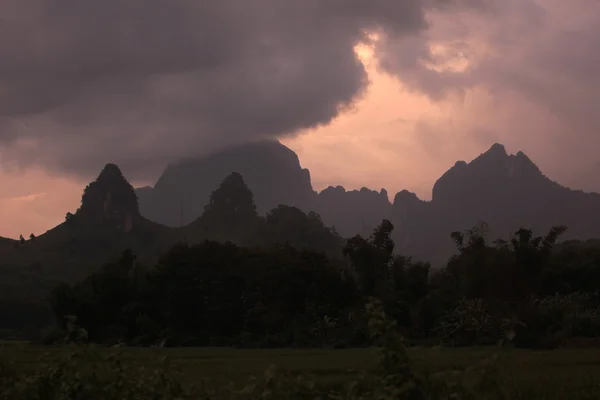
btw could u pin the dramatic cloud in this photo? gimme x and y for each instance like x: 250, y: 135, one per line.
x: 525, y: 72
x: 142, y: 82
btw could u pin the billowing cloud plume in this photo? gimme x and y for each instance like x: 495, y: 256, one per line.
x: 142, y: 82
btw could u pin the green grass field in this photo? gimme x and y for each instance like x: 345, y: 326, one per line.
x: 557, y: 374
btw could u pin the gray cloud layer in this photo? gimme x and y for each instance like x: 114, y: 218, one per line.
x: 145, y: 81
x: 142, y: 82
x: 539, y: 55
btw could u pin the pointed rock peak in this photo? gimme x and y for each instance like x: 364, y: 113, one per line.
x: 110, y: 172
x: 231, y: 197
x: 109, y: 198
x: 525, y: 165
x: 497, y: 150
x: 233, y: 178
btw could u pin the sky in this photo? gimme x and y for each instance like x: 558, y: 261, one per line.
x: 376, y: 93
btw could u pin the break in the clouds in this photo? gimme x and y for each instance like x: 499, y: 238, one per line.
x: 142, y: 82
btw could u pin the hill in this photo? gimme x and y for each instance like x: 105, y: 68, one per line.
x: 107, y: 223
x: 506, y: 191
x: 6, y: 242
x: 271, y: 171
x: 274, y: 175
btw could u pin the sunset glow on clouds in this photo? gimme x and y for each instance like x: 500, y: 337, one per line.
x: 446, y: 81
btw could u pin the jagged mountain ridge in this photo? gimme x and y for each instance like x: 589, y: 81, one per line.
x: 271, y: 170
x: 506, y: 191
x: 5, y: 242
x: 107, y: 222
x: 273, y: 173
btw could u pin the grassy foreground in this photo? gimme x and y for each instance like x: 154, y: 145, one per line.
x: 558, y: 374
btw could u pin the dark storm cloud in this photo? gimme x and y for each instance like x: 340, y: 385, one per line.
x: 141, y: 82
x: 543, y: 53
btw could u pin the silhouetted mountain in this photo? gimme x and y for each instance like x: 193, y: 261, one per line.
x: 271, y: 171
x: 505, y: 191
x: 5, y: 242
x: 231, y: 215
x: 107, y: 223
x: 274, y: 175
x: 109, y: 199
x: 353, y: 212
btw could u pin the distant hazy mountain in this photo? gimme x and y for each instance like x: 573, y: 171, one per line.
x: 271, y: 170
x: 109, y: 222
x: 274, y: 175
x: 354, y: 211
x: 505, y: 191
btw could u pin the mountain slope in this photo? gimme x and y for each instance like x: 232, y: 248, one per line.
x: 107, y: 223
x: 271, y: 171
x: 505, y: 191
x: 6, y: 242
x: 274, y: 175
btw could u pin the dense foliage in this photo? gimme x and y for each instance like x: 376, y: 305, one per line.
x: 220, y: 294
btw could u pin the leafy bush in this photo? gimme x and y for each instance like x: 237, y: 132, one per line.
x: 472, y: 322
x: 550, y: 321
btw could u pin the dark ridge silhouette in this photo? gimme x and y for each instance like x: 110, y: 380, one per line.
x: 110, y: 198
x: 230, y: 214
x: 271, y: 171
x: 505, y: 191
x: 274, y: 175
x: 107, y: 222
x: 5, y: 242
x: 353, y: 212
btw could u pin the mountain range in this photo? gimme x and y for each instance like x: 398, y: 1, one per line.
x: 259, y: 194
x: 274, y: 175
x: 505, y: 191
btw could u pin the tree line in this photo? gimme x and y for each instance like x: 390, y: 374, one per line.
x: 287, y: 280
x: 220, y: 294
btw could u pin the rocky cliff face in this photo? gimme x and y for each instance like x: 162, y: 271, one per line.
x: 274, y: 175
x: 505, y: 191
x: 109, y: 199
x: 271, y: 171
x: 353, y: 212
